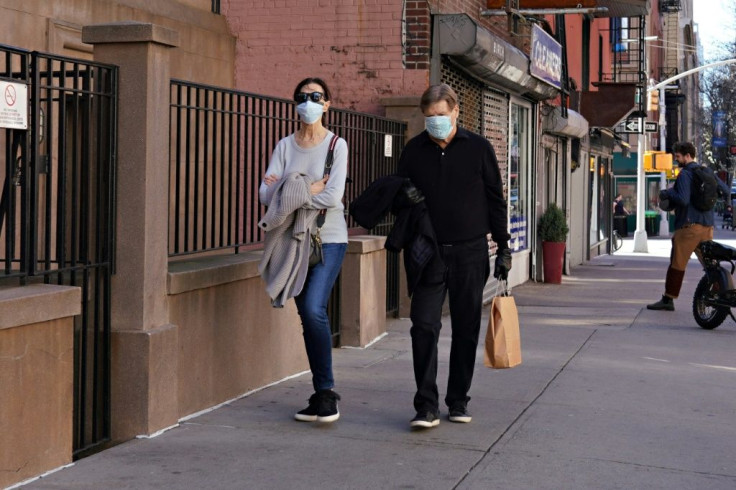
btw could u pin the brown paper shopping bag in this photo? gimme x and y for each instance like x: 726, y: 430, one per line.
x: 503, y: 341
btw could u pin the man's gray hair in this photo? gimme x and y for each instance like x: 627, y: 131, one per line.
x: 437, y: 93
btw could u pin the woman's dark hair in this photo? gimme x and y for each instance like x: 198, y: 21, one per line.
x: 318, y: 81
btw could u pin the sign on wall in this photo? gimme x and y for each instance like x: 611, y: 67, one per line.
x: 13, y: 105
x: 388, y: 150
x: 546, y: 58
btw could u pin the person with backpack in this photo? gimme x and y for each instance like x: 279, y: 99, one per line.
x: 692, y: 198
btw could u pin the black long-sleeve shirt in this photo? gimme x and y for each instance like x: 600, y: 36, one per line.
x: 461, y: 184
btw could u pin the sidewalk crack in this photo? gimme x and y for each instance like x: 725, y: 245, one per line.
x: 524, y: 411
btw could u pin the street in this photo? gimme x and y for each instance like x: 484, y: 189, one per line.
x: 609, y: 395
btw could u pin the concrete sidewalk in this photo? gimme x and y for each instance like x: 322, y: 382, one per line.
x: 609, y: 395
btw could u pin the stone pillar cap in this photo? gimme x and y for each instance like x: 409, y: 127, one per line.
x: 129, y: 31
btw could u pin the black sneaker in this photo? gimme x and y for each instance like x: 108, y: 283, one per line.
x: 425, y: 420
x: 666, y: 304
x: 322, y: 408
x: 459, y: 413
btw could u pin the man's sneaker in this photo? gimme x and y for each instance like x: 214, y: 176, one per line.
x: 425, y: 420
x: 322, y: 408
x: 459, y: 413
x: 666, y: 304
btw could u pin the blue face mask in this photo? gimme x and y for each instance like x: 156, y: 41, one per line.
x: 438, y: 127
x: 309, y: 111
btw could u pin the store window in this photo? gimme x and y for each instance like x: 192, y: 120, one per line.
x: 518, y: 177
x: 600, y: 202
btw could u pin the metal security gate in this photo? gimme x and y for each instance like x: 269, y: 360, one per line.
x: 57, y: 209
x: 482, y: 110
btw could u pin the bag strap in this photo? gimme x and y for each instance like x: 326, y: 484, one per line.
x: 502, y: 288
x: 328, y: 168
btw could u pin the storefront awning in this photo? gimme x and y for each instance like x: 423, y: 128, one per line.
x: 609, y: 105
x: 575, y: 125
x: 625, y: 8
x: 616, y: 8
x: 488, y: 57
x: 602, y: 139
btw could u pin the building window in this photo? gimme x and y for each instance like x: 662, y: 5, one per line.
x: 216, y: 6
x: 518, y: 177
x: 600, y: 202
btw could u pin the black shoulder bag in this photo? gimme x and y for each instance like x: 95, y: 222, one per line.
x: 315, y: 249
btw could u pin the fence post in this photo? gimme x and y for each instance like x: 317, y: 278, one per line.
x: 144, y: 346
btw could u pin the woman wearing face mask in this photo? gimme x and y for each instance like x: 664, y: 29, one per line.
x: 303, y: 153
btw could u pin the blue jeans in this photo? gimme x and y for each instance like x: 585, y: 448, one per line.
x: 312, y: 306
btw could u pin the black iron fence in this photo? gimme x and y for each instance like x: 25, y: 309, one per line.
x: 57, y: 207
x: 220, y: 146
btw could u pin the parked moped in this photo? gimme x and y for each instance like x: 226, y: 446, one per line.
x: 715, y: 294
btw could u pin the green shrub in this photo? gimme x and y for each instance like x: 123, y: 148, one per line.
x: 553, y: 225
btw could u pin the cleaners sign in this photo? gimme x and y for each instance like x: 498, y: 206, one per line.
x: 13, y: 105
x: 546, y: 57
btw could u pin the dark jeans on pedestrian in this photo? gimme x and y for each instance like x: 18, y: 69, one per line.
x: 460, y: 271
x: 312, y: 306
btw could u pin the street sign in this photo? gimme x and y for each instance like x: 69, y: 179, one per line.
x: 632, y: 126
x: 651, y: 127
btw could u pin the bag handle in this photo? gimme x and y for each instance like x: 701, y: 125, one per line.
x: 502, y: 287
x: 328, y: 168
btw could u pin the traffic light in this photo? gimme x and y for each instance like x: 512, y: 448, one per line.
x: 657, y: 161
x: 652, y: 100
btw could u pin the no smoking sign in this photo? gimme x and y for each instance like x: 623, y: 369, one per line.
x: 13, y: 105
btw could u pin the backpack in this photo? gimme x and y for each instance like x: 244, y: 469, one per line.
x: 704, y: 190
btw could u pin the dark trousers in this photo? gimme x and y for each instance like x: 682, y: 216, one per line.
x: 460, y: 271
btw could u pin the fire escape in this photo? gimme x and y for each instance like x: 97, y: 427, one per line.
x: 621, y: 84
x: 669, y: 10
x: 621, y: 78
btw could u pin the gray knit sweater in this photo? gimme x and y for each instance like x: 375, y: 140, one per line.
x: 287, y: 224
x: 288, y: 157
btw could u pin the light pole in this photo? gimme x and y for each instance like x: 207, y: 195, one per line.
x: 640, y: 235
x: 664, y: 230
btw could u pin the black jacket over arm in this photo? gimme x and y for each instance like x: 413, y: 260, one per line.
x: 412, y: 231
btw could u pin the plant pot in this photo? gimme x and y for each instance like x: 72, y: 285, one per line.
x: 553, y: 255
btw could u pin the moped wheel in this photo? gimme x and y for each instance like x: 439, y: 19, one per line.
x: 707, y: 316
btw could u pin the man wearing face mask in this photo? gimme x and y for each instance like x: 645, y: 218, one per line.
x: 692, y: 225
x: 457, y: 172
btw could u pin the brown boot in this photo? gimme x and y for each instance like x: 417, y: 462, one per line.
x: 666, y: 304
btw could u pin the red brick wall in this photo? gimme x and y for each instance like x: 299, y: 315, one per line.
x: 359, y: 47
x: 355, y: 46
x: 418, y: 35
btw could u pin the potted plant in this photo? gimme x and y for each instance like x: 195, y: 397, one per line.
x: 553, y: 233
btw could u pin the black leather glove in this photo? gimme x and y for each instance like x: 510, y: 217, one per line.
x: 663, y: 196
x: 503, y: 264
x: 413, y: 195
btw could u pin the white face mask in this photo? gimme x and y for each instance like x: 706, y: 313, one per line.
x: 309, y: 111
x: 438, y: 127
